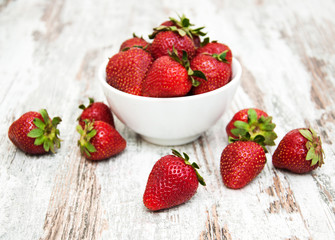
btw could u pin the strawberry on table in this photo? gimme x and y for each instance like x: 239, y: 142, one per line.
x: 97, y: 111
x: 99, y: 140
x: 35, y: 133
x: 249, y: 131
x: 134, y: 41
x: 300, y: 151
x: 126, y: 69
x: 173, y: 180
x: 216, y: 69
x: 252, y: 124
x: 170, y: 76
x: 241, y: 162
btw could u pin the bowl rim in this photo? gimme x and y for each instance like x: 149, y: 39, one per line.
x: 236, y: 78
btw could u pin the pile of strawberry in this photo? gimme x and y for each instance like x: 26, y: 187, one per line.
x: 35, y: 133
x: 249, y: 132
x: 176, y: 63
x: 173, y: 180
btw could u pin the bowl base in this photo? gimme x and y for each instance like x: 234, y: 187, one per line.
x: 170, y: 142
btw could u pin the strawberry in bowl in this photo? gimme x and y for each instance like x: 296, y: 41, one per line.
x: 171, y: 120
x: 156, y: 95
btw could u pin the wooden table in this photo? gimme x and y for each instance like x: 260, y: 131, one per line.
x: 49, y: 55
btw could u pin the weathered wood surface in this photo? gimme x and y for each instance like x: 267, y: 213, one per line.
x: 50, y: 53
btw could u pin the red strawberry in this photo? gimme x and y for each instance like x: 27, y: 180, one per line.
x: 300, y: 151
x: 177, y: 34
x: 126, y: 70
x: 166, y: 40
x: 215, y: 48
x: 35, y: 133
x: 99, y: 140
x: 134, y: 41
x: 197, y: 41
x: 241, y: 162
x: 252, y: 124
x: 184, y: 23
x: 168, y: 77
x: 168, y: 23
x: 97, y: 111
x: 173, y: 180
x: 216, y: 69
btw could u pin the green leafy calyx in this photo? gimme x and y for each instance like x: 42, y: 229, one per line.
x: 182, y: 26
x: 86, y: 135
x: 46, y: 132
x: 206, y: 41
x: 259, y: 130
x: 145, y: 48
x: 195, y: 166
x: 186, y: 64
x: 82, y: 106
x: 135, y: 36
x: 221, y: 57
x: 315, y: 152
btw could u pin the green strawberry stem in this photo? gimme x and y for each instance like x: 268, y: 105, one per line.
x: 145, y: 48
x: 135, y: 36
x: 195, y: 166
x: 182, y: 27
x: 205, y: 42
x: 86, y: 135
x: 315, y: 152
x: 82, y: 106
x: 259, y: 130
x: 185, y: 26
x: 221, y: 57
x: 137, y: 46
x: 186, y: 64
x: 46, y: 132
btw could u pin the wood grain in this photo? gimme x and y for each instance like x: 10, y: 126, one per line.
x: 50, y: 54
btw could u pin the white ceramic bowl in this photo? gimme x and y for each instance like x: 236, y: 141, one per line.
x: 170, y: 121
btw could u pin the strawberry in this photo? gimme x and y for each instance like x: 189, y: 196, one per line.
x: 168, y: 23
x: 134, y: 41
x: 35, y: 133
x: 300, y: 151
x: 170, y: 76
x: 177, y: 34
x: 241, y: 162
x: 215, y: 48
x: 97, y: 111
x: 184, y: 23
x: 166, y: 40
x: 252, y: 124
x: 196, y: 41
x: 217, y: 71
x: 126, y: 70
x: 173, y: 180
x: 99, y: 140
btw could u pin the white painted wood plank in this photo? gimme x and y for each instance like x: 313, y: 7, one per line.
x: 50, y: 52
